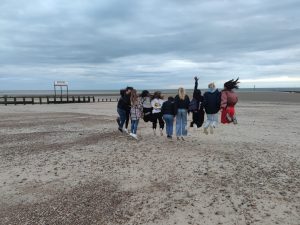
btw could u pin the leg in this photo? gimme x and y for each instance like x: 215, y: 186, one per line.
x: 178, y: 124
x: 135, y: 126
x: 171, y: 125
x: 132, y: 126
x: 122, y: 114
x: 161, y: 121
x: 154, y: 122
x: 127, y: 119
x: 184, y: 123
x: 166, y: 118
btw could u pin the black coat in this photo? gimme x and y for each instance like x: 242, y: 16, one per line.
x: 168, y: 107
x: 212, y: 101
x: 124, y: 103
x: 181, y: 104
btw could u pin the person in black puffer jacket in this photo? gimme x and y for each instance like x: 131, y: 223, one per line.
x: 123, y: 108
x: 211, y: 104
x: 168, y: 111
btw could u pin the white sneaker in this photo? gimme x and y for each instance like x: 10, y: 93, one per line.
x: 161, y: 132
x: 125, y: 130
x: 134, y: 136
x: 154, y: 132
x: 205, y: 131
x: 211, y: 130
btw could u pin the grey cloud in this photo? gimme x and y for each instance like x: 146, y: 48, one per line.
x: 112, y: 38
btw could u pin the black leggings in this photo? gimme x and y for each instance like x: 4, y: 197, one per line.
x: 147, y: 114
x: 198, y: 118
x: 159, y: 117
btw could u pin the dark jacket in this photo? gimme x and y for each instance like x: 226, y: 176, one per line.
x: 168, y: 107
x: 124, y: 102
x: 182, y: 104
x: 198, y: 97
x: 212, y: 101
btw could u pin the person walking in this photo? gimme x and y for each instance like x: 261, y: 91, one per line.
x: 182, y: 102
x: 136, y: 111
x: 211, y: 104
x: 168, y: 111
x: 196, y: 106
x: 123, y: 108
x: 156, y: 104
x: 228, y: 101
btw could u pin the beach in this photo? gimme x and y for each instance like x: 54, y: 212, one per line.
x: 68, y: 164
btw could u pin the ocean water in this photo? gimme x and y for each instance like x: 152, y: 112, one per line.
x: 114, y: 92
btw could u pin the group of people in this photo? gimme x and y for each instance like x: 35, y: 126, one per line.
x: 153, y: 108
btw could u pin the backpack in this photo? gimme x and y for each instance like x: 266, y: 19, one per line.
x: 193, y: 106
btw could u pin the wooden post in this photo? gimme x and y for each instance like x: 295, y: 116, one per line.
x: 78, y: 98
x: 47, y: 99
x: 102, y: 100
x: 24, y: 100
x: 89, y: 99
x: 73, y: 99
x: 5, y: 100
x: 40, y: 100
x: 83, y: 98
x: 32, y: 99
x: 93, y: 98
x: 15, y: 100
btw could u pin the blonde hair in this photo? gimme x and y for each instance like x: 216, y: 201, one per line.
x: 212, y: 85
x: 181, y: 93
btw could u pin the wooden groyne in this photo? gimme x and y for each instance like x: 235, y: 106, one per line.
x: 25, y: 100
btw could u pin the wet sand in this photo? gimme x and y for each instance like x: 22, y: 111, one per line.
x: 67, y: 164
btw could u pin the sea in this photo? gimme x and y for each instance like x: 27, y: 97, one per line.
x: 116, y: 92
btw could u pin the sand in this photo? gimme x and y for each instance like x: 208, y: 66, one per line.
x: 67, y: 164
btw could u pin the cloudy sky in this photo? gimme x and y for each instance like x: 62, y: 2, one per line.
x: 109, y: 44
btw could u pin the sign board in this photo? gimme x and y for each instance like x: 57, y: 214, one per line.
x: 60, y: 83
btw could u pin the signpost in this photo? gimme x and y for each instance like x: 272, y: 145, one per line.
x: 61, y: 84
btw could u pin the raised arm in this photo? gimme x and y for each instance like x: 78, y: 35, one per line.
x: 196, y: 83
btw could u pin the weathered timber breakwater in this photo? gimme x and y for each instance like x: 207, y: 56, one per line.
x: 50, y: 99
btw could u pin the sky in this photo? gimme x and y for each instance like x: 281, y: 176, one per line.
x: 155, y: 44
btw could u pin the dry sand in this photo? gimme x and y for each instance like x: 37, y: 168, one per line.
x: 67, y: 164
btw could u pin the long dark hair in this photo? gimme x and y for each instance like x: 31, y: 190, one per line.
x: 145, y: 93
x: 232, y: 84
x: 158, y: 95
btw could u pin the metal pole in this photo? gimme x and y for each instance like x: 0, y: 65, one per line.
x: 61, y: 93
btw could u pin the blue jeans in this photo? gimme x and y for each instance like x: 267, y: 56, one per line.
x: 169, y: 124
x: 134, y: 126
x: 181, y: 122
x: 122, y: 115
x: 212, y: 120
